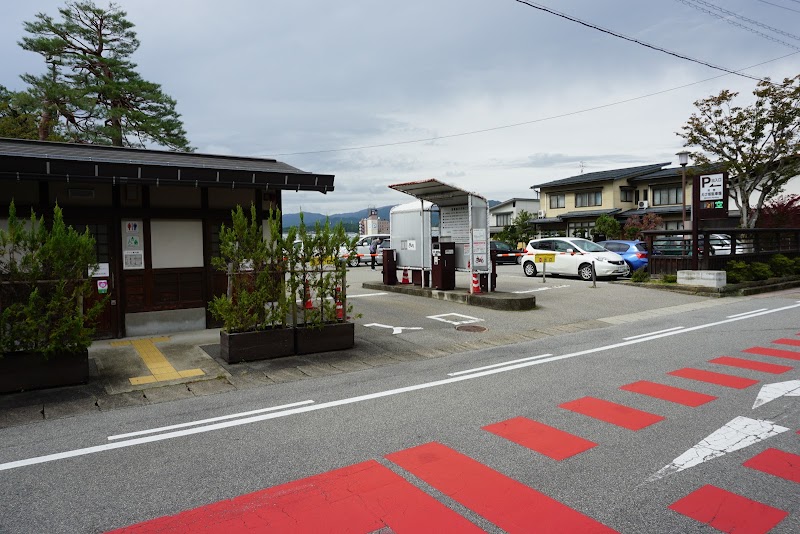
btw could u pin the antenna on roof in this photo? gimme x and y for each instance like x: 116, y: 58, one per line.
x: 582, y: 165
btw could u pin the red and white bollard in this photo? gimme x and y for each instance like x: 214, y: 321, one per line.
x: 476, y: 285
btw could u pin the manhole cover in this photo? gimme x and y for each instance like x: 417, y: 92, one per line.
x: 471, y: 328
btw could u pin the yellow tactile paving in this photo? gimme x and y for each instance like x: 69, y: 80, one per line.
x: 158, y: 365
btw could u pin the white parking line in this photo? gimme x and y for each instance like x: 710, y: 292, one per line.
x: 654, y: 333
x: 498, y: 365
x: 746, y: 313
x: 205, y: 421
x: 366, y: 295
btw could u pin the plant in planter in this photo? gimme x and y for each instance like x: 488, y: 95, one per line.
x: 320, y: 270
x: 255, y: 309
x: 45, y: 332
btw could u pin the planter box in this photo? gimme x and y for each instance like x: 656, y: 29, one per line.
x: 328, y: 337
x: 261, y: 345
x: 30, y: 370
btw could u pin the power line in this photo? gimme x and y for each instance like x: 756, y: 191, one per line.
x: 697, y: 4
x: 503, y: 127
x: 631, y: 39
x: 780, y: 6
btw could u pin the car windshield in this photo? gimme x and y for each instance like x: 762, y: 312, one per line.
x: 588, y: 246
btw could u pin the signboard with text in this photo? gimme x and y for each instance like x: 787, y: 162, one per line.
x: 713, y: 196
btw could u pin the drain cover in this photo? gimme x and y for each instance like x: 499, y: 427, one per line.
x: 471, y: 328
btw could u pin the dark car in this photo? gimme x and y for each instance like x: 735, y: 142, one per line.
x: 504, y: 248
x: 633, y: 252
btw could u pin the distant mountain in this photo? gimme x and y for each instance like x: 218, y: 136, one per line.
x: 293, y: 219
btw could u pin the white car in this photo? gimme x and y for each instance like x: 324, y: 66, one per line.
x: 362, y: 254
x: 573, y: 256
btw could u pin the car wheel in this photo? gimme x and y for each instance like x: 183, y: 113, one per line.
x: 585, y: 271
x: 353, y: 261
x: 529, y: 268
x: 630, y: 269
x: 519, y: 260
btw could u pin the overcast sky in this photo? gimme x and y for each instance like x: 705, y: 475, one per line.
x: 289, y: 78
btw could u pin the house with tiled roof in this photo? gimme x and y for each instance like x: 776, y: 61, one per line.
x: 570, y: 206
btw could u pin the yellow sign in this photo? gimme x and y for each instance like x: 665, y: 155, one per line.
x: 544, y: 258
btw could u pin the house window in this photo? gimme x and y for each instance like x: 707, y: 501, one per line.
x: 670, y: 194
x: 558, y: 201
x: 636, y: 198
x: 626, y: 195
x: 590, y: 198
x: 580, y: 229
x: 673, y: 225
x: 503, y: 219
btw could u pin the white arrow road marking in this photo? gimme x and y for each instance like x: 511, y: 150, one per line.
x: 771, y: 392
x: 737, y: 434
x: 395, y: 329
x: 466, y: 319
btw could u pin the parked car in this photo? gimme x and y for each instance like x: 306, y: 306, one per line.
x: 676, y: 245
x: 505, y: 248
x: 362, y: 250
x: 573, y: 256
x: 633, y: 252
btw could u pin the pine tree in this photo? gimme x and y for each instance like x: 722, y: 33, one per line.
x: 91, y: 90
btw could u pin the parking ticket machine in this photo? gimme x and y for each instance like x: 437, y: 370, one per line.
x: 443, y: 265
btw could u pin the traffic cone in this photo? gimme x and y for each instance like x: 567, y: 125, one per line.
x: 405, y: 277
x: 309, y: 305
x: 476, y: 286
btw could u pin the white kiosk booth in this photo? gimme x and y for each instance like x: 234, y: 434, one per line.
x: 464, y: 221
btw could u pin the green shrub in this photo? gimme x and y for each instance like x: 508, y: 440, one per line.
x: 781, y: 265
x: 759, y: 271
x: 44, y: 275
x: 669, y: 279
x: 737, y: 272
x: 640, y: 275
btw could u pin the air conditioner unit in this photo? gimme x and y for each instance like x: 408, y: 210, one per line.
x: 541, y: 214
x: 643, y: 204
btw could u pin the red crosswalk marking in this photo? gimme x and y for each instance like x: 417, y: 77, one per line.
x: 788, y: 341
x: 669, y: 393
x: 778, y: 353
x: 613, y: 413
x: 360, y: 498
x: 539, y: 437
x: 750, y: 364
x: 728, y: 511
x: 778, y: 463
x: 720, y: 379
x: 510, y: 505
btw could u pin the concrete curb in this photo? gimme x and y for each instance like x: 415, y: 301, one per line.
x: 496, y: 300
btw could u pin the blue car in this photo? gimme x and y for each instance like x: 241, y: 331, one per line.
x: 633, y: 252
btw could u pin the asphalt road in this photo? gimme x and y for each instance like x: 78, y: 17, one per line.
x: 61, y: 476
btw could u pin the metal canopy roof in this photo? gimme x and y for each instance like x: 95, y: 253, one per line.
x: 436, y: 192
x: 42, y: 160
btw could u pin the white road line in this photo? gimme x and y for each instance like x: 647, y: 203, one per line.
x: 351, y: 400
x: 366, y: 295
x: 654, y: 333
x: 538, y: 289
x: 746, y: 313
x: 770, y: 392
x: 498, y: 365
x: 205, y: 421
x: 737, y: 434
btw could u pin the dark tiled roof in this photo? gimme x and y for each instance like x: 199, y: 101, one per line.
x: 603, y: 176
x: 675, y: 172
x: 588, y: 213
x: 41, y: 158
x: 660, y: 210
